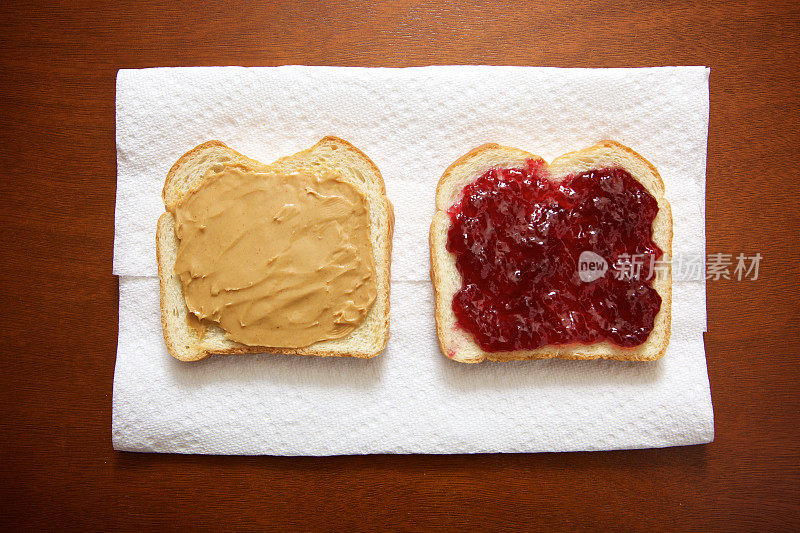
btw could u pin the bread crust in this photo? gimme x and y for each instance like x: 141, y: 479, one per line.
x: 183, y: 343
x: 456, y: 343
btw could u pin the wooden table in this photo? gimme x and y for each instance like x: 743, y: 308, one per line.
x: 59, y: 298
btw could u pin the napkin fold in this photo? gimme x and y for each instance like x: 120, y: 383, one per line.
x: 412, y: 123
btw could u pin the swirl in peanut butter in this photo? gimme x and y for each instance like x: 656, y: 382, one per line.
x: 279, y: 260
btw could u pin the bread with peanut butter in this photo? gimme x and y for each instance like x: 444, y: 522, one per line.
x: 507, y: 245
x: 291, y: 257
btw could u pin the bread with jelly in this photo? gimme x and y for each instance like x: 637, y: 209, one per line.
x: 459, y: 343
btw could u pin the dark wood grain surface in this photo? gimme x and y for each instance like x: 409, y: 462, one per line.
x: 59, y: 300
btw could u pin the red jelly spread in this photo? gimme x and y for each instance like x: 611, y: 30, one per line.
x: 517, y: 237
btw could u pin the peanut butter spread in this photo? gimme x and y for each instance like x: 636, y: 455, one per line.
x: 280, y: 260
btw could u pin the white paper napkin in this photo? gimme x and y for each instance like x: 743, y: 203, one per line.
x: 412, y: 123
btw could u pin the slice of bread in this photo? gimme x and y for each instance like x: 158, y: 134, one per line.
x: 458, y: 344
x: 331, y: 154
